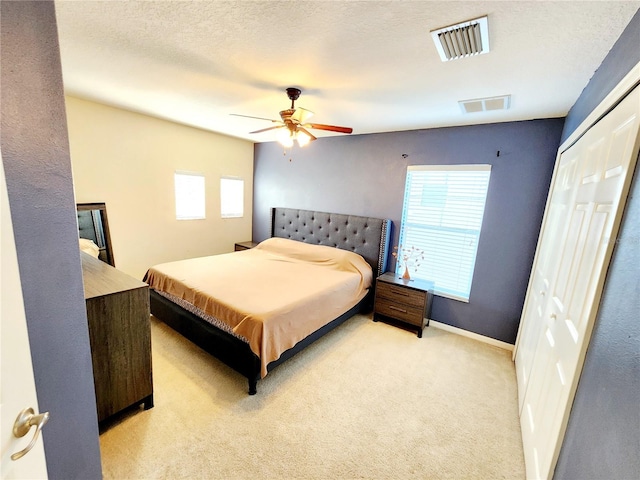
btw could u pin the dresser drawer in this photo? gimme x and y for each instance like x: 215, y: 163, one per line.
x: 410, y: 314
x: 408, y: 302
x: 397, y: 294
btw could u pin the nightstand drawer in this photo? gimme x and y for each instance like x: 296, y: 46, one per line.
x: 406, y: 296
x: 406, y: 313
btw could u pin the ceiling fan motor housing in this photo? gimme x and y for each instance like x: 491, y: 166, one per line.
x: 288, y: 121
x: 293, y: 93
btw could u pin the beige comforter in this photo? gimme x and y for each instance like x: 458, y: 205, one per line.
x: 273, y: 295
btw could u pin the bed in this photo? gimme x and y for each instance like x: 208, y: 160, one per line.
x: 222, y: 313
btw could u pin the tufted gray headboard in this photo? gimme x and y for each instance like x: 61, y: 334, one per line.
x: 368, y: 237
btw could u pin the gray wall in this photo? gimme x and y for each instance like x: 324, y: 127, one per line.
x: 35, y: 154
x: 623, y: 56
x: 603, y: 434
x: 365, y: 175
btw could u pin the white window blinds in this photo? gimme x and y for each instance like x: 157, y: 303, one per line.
x: 231, y: 197
x: 189, y: 188
x: 442, y: 215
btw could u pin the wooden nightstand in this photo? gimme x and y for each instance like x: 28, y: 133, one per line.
x: 406, y: 301
x: 244, y: 246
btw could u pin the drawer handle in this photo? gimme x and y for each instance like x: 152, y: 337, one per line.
x: 404, y: 294
x: 397, y: 309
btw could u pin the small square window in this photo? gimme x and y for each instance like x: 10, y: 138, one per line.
x: 189, y: 196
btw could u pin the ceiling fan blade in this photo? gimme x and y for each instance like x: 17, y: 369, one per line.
x: 307, y: 132
x: 301, y: 115
x: 267, y: 129
x: 257, y: 118
x: 330, y: 128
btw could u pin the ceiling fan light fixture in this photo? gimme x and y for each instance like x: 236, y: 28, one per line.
x: 285, y: 137
x: 302, y: 138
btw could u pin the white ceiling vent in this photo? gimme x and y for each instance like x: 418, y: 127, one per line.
x: 485, y: 104
x: 463, y: 39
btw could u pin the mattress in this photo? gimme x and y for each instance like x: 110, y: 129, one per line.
x: 271, y: 296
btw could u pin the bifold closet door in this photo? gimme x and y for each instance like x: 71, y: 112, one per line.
x: 583, y: 215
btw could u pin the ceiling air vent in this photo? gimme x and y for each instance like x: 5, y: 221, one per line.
x: 485, y: 104
x: 463, y: 39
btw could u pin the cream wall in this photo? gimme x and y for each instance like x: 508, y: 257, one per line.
x: 128, y: 160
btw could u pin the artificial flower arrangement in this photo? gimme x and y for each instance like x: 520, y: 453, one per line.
x: 409, y: 257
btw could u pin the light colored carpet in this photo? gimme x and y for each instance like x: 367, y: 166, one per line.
x: 367, y: 401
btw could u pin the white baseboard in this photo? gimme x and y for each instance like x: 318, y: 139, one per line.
x: 475, y: 336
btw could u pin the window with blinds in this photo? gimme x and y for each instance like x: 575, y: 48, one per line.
x: 231, y: 197
x: 442, y: 215
x: 189, y: 190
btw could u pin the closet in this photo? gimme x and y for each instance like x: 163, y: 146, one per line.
x: 585, y: 205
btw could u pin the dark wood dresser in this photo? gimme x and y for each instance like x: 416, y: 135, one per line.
x: 408, y: 301
x: 120, y: 336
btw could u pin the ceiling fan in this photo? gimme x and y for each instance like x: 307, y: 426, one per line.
x: 293, y: 126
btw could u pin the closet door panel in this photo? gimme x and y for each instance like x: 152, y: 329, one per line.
x: 579, y: 230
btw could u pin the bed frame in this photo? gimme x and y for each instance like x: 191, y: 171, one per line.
x: 366, y: 236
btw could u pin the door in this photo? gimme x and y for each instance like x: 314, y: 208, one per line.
x: 17, y: 386
x: 583, y: 215
x: 555, y: 228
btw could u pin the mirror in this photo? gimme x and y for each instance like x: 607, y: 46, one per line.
x: 93, y: 225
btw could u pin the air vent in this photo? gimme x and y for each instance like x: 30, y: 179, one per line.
x: 485, y: 104
x: 463, y: 39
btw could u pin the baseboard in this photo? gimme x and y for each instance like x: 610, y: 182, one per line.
x: 475, y: 336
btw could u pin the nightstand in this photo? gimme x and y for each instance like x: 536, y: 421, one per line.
x: 408, y: 301
x: 244, y: 246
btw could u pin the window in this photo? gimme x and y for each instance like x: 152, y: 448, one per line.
x: 189, y: 195
x: 442, y: 215
x: 231, y: 197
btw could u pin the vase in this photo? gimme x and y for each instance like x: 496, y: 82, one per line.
x: 406, y: 275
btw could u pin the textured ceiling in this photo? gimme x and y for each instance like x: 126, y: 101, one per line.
x: 370, y: 65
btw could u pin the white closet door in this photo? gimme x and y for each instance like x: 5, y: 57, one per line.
x: 548, y: 255
x: 582, y: 219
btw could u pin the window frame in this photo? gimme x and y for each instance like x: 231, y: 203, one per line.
x: 179, y: 200
x: 447, y: 218
x: 224, y: 201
